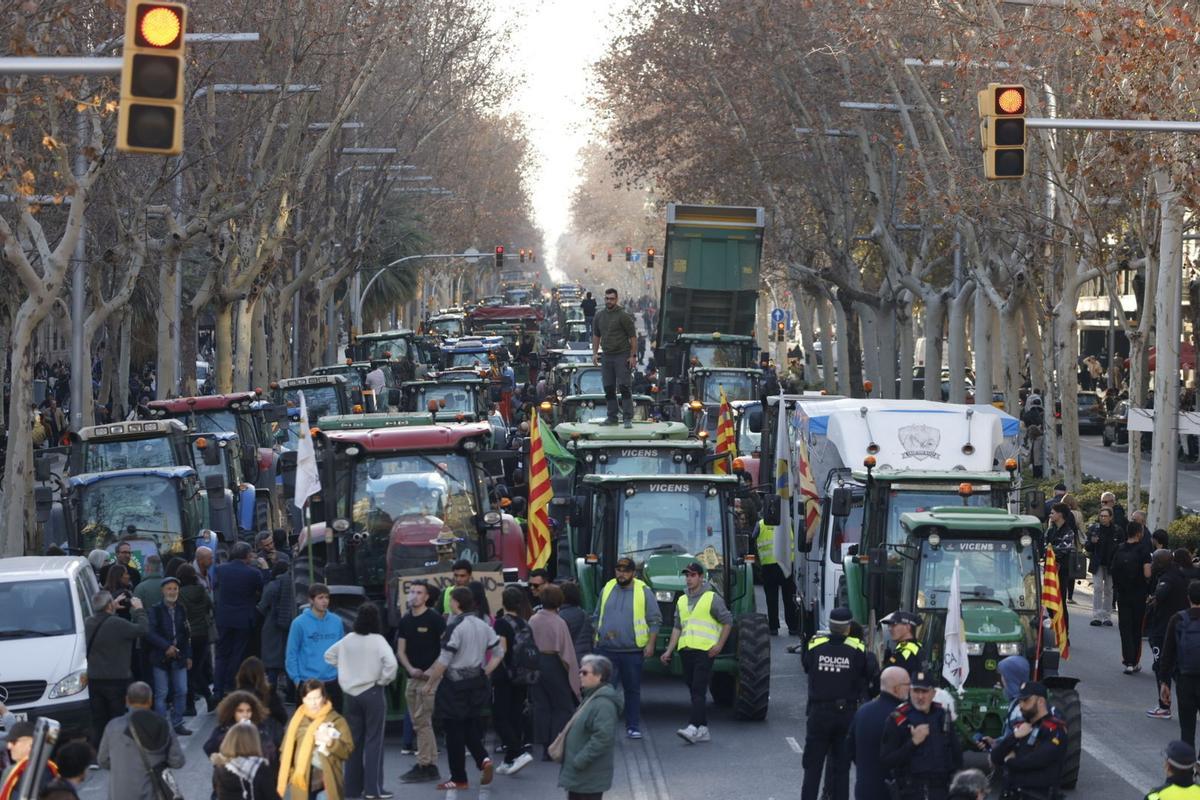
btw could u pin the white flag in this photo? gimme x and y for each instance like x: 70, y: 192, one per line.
x: 783, y: 487
x: 955, y: 666
x: 308, y: 480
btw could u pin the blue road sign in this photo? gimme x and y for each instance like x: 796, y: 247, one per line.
x: 777, y: 315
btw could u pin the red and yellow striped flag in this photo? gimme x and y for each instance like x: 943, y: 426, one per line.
x: 1052, y: 601
x: 537, y: 547
x: 726, y: 439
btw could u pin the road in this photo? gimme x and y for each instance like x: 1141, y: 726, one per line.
x: 1111, y: 464
x: 761, y: 760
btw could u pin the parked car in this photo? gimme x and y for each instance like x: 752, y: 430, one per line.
x: 1091, y: 413
x: 1116, y: 430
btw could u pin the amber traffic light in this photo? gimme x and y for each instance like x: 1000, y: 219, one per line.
x: 649, y: 258
x: 1002, y: 110
x: 522, y: 254
x: 150, y: 119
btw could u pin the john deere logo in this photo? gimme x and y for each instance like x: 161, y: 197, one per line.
x: 919, y: 441
x: 990, y: 664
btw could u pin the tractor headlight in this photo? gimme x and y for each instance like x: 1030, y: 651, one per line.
x: 664, y: 596
x: 1008, y: 648
x: 974, y: 648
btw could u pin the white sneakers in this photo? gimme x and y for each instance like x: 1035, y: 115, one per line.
x: 519, y: 763
x: 693, y: 735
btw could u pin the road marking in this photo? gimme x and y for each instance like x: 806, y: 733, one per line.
x: 1137, y: 778
x: 792, y: 743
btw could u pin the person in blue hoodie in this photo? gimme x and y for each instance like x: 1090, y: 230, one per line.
x: 311, y: 634
x: 1014, y: 671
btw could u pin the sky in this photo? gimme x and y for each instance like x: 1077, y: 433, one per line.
x: 556, y: 42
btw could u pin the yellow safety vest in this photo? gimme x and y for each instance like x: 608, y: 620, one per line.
x: 1174, y: 792
x: 766, y: 543
x: 698, y: 629
x: 641, y: 631
x: 852, y: 641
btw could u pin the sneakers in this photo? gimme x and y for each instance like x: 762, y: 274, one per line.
x: 1159, y: 713
x: 421, y: 773
x: 519, y: 763
x: 688, y: 734
x: 384, y: 794
x: 1095, y: 623
x: 183, y: 730
x: 486, y: 771
x: 633, y: 733
x: 1136, y: 668
x: 628, y: 423
x: 408, y: 750
x: 1128, y: 670
x: 701, y: 735
x: 446, y: 786
x: 609, y: 421
x: 1108, y: 623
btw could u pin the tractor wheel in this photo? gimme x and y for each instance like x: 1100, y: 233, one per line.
x: 723, y: 687
x: 752, y: 691
x: 1066, y: 701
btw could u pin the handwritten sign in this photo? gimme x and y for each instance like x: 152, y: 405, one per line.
x: 441, y: 578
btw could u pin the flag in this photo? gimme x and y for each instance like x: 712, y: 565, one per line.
x: 808, y: 491
x: 783, y: 487
x: 560, y: 458
x: 1052, y: 602
x: 537, y: 548
x: 308, y: 480
x: 726, y: 440
x: 955, y: 665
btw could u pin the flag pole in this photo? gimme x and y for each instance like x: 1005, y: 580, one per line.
x: 308, y: 537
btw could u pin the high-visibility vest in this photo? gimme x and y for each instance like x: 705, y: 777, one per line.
x: 641, y: 631
x: 766, y: 543
x: 1174, y: 792
x: 698, y: 629
x: 852, y: 641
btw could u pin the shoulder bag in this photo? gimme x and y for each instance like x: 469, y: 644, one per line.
x: 162, y: 780
x: 558, y: 747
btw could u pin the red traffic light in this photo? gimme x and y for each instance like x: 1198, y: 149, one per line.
x: 159, y: 26
x: 1010, y: 100
x: 610, y: 255
x: 499, y: 251
x: 593, y: 256
x: 629, y: 254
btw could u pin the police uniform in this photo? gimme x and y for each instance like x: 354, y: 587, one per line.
x: 1036, y: 762
x: 838, y: 674
x: 920, y: 772
x: 1181, y: 765
x: 906, y: 654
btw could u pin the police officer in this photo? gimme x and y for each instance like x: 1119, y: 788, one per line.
x: 1031, y: 755
x: 774, y: 581
x: 905, y: 650
x: 838, y: 676
x: 1181, y: 766
x: 919, y: 746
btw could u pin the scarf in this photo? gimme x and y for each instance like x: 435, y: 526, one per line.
x: 300, y: 776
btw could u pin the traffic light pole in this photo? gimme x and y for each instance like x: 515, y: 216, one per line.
x: 360, y: 298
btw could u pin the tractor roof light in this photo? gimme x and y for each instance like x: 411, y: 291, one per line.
x: 545, y: 406
x: 696, y: 405
x: 1011, y: 465
x: 739, y: 465
x: 935, y: 540
x: 630, y: 491
x: 965, y: 489
x: 201, y: 443
x: 358, y: 409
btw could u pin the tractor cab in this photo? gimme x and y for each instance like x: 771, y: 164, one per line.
x: 233, y: 503
x: 447, y: 325
x: 129, y: 445
x: 690, y: 351
x: 448, y: 401
x: 324, y: 395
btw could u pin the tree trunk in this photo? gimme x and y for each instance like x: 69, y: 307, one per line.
x: 1040, y: 368
x: 281, y: 344
x: 223, y: 344
x: 187, y: 352
x: 804, y: 317
x: 1066, y: 347
x: 124, y: 356
x: 935, y: 322
x: 908, y: 346
x: 869, y: 333
x: 1168, y: 310
x: 828, y: 357
x: 956, y: 336
x: 166, y: 368
x: 885, y: 340
x: 1011, y: 351
x: 854, y: 349
x: 18, y: 474
x: 260, y: 371
x: 242, y: 346
x: 983, y: 340
x: 842, y: 354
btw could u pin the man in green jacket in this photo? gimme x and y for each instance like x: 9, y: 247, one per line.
x: 614, y: 330
x: 587, y: 762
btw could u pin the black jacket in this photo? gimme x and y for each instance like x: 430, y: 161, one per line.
x: 1169, y: 655
x: 169, y: 628
x: 1170, y: 597
x: 1127, y: 567
x: 866, y: 734
x: 1038, y: 757
x: 244, y: 779
x: 110, y: 644
x: 938, y: 757
x: 1101, y: 545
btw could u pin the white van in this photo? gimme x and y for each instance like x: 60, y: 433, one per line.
x: 44, y: 602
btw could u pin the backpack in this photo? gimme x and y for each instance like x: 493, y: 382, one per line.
x: 1187, y: 640
x: 1034, y: 415
x: 522, y: 661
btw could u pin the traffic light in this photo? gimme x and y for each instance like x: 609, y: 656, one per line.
x: 780, y: 332
x: 150, y: 117
x: 522, y: 252
x: 1002, y: 111
x: 649, y: 258
x: 499, y: 257
x: 610, y: 256
x: 593, y: 256
x: 629, y: 254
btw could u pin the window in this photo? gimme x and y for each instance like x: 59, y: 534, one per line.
x: 36, y: 608
x: 989, y: 571
x: 108, y: 508
x: 102, y: 456
x: 665, y: 518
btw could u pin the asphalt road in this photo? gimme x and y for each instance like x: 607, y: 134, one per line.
x: 1122, y: 746
x: 1112, y: 464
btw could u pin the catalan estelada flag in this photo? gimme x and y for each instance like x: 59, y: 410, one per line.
x: 808, y: 491
x: 537, y: 547
x: 726, y: 439
x: 1053, y: 603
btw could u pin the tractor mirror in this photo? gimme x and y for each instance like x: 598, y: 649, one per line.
x: 276, y: 412
x: 1035, y: 503
x: 754, y: 419
x: 43, y: 498
x: 212, y: 455
x: 841, y: 502
x: 214, y: 483
x: 41, y: 469
x: 771, y: 510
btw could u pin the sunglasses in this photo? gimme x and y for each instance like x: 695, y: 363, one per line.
x: 585, y: 672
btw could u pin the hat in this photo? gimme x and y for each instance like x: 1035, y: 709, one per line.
x: 169, y: 579
x: 1031, y: 689
x: 923, y: 680
x: 625, y: 562
x: 1179, y: 754
x: 20, y: 730
x: 901, y: 618
x: 696, y: 568
x: 840, y: 616
x: 1060, y: 486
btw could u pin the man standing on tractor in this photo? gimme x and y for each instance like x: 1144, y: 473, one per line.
x: 920, y: 745
x: 838, y: 677
x: 905, y: 650
x: 615, y: 330
x: 702, y: 626
x: 626, y: 622
x: 1032, y: 754
x: 775, y: 582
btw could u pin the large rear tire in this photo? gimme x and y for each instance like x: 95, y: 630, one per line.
x: 1066, y: 701
x: 752, y: 692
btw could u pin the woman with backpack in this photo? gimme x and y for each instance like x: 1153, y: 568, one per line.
x: 510, y: 685
x: 556, y: 691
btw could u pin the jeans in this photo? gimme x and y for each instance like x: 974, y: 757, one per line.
x: 420, y: 708
x: 174, y: 680
x: 627, y: 674
x: 231, y: 649
x: 616, y: 375
x: 1187, y: 692
x: 463, y: 735
x: 826, y: 736
x: 365, y: 714
x: 697, y: 670
x: 1131, y: 609
x: 1102, y: 594
x: 774, y: 582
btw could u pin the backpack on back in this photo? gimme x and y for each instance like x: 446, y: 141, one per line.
x: 1187, y: 639
x: 522, y: 665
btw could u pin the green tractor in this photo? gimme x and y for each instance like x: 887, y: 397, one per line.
x: 664, y: 522
x: 1001, y: 592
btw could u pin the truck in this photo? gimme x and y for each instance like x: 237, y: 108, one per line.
x: 1001, y: 609
x: 709, y: 287
x: 873, y: 460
